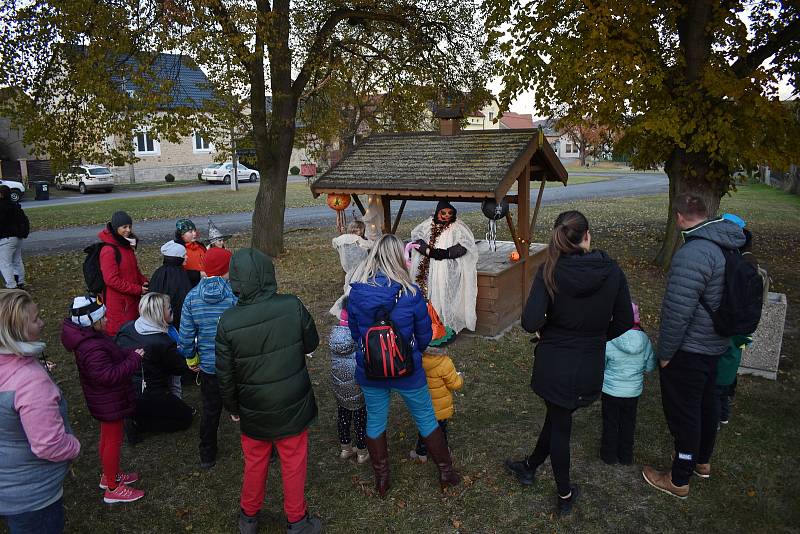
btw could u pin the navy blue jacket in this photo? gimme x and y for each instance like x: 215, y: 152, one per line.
x: 409, y: 316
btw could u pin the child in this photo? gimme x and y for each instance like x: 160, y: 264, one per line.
x: 105, y: 372
x: 186, y: 235
x: 202, y: 309
x: 628, y: 357
x: 442, y: 381
x: 348, y: 394
x: 215, y: 236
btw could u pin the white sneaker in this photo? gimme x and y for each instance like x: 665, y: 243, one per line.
x: 421, y: 458
x: 362, y: 455
x: 346, y: 452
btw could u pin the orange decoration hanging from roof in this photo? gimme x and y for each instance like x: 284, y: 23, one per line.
x: 338, y: 201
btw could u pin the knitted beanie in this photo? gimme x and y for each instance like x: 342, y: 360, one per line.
x: 86, y: 311
x: 184, y: 225
x: 173, y: 249
x: 217, y: 261
x: 120, y: 218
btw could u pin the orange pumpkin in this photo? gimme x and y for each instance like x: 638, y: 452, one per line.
x: 338, y: 201
x: 514, y: 256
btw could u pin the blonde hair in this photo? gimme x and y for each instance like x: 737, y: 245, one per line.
x: 386, y: 257
x: 14, y: 317
x: 151, y: 308
x: 357, y: 227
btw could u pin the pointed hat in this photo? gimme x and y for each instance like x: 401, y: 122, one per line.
x: 214, y: 233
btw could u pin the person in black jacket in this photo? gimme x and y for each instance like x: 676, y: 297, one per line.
x: 579, y: 300
x: 14, y: 227
x: 171, y: 278
x: 157, y: 409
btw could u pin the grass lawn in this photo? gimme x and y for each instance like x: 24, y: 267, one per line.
x: 199, y: 203
x: 755, y: 467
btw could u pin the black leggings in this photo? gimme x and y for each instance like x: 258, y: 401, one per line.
x: 554, y: 442
x: 359, y: 419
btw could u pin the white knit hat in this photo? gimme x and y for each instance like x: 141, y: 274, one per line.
x: 87, y: 311
x: 173, y: 249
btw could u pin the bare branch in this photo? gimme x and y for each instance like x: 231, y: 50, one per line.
x: 745, y: 65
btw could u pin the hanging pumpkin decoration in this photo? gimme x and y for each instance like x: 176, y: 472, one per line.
x: 339, y: 202
x: 514, y: 256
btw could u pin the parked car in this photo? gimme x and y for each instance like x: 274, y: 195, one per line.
x: 224, y: 171
x: 17, y: 189
x: 86, y: 178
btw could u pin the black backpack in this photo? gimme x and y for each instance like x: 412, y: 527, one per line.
x: 742, y: 297
x: 386, y: 353
x: 92, y: 274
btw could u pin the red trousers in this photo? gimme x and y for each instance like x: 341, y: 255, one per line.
x: 293, y: 452
x: 109, y: 449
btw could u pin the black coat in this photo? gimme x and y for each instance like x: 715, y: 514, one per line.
x: 13, y: 221
x: 592, y: 305
x: 161, y: 359
x: 173, y: 280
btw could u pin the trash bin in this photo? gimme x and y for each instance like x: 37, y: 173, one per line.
x: 42, y: 190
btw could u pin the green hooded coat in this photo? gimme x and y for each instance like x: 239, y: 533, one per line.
x: 261, y: 346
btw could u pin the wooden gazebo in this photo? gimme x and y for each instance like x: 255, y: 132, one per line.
x: 466, y: 166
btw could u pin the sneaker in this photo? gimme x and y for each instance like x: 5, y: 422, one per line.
x: 564, y: 504
x: 346, y: 452
x: 122, y: 478
x: 662, y: 481
x: 122, y: 493
x: 702, y: 470
x: 725, y: 422
x: 419, y: 458
x: 307, y: 525
x: 520, y: 469
x: 362, y: 455
x: 247, y: 524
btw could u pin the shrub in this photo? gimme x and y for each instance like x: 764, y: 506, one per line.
x: 169, y: 178
x: 294, y: 170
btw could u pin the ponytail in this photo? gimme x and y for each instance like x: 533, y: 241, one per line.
x: 568, y: 232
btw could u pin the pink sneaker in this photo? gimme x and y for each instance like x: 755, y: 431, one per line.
x: 122, y: 493
x: 122, y: 478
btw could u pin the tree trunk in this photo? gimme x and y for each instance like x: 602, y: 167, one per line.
x: 687, y: 173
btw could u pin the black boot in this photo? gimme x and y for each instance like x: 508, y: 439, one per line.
x: 437, y: 449
x: 379, y: 454
x: 564, y: 506
x: 247, y: 524
x: 307, y: 525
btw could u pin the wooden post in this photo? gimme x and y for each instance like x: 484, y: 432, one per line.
x: 399, y: 214
x: 359, y: 204
x: 538, y: 205
x: 513, y: 230
x: 524, y: 216
x: 387, y: 214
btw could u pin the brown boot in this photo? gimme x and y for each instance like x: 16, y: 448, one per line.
x: 662, y: 481
x: 379, y: 454
x: 437, y: 449
x: 702, y: 470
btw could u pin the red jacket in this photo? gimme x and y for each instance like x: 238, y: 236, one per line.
x: 123, y: 281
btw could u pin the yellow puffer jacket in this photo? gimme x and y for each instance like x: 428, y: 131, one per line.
x: 442, y: 379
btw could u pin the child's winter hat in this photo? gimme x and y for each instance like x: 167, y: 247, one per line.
x: 184, y: 225
x: 217, y: 261
x: 343, y: 317
x: 86, y: 311
x: 215, y: 234
x: 735, y: 219
x: 173, y: 249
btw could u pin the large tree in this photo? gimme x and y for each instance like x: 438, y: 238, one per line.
x: 692, y: 83
x: 252, y: 48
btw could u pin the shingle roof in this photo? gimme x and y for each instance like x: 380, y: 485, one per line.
x: 190, y: 88
x: 478, y: 164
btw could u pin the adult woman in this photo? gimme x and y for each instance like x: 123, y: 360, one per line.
x: 578, y: 301
x: 446, y: 267
x: 125, y: 283
x: 157, y: 409
x: 383, y: 284
x: 14, y: 227
x: 37, y: 443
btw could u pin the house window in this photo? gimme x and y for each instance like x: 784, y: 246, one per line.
x: 201, y: 144
x: 144, y: 143
x: 570, y: 148
x: 491, y: 115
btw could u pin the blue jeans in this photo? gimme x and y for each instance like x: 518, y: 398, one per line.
x: 418, y: 401
x: 48, y: 520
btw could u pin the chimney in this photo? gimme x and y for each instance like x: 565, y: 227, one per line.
x: 449, y: 116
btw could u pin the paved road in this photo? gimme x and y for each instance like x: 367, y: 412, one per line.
x: 159, y: 231
x: 76, y: 198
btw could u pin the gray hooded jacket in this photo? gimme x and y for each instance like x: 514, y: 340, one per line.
x: 343, y: 368
x: 697, y: 270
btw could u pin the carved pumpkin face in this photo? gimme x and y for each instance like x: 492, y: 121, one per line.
x: 514, y: 256
x: 338, y: 202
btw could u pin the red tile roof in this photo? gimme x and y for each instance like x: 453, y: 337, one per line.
x: 516, y: 120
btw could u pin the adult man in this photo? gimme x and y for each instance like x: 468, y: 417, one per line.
x: 261, y: 368
x: 688, y: 345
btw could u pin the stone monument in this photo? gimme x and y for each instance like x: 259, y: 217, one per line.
x: 763, y: 356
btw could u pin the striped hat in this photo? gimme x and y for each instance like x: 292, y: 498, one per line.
x: 86, y: 311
